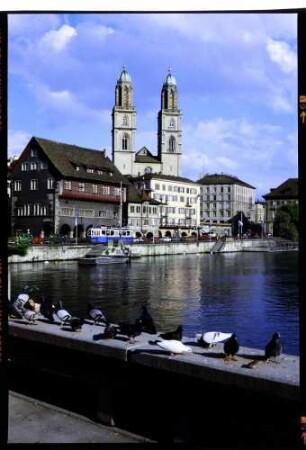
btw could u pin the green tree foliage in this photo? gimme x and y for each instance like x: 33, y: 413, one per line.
x: 286, y: 223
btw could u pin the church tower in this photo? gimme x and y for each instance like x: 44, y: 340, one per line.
x: 123, y: 125
x: 169, y: 133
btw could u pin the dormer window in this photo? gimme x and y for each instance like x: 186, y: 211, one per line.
x: 89, y: 170
x: 77, y: 168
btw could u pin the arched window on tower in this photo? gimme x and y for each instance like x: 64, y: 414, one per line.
x: 172, y: 100
x: 125, y: 142
x: 119, y: 96
x: 165, y: 100
x: 126, y: 97
x: 172, y: 144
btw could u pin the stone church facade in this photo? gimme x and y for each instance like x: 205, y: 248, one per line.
x: 169, y: 132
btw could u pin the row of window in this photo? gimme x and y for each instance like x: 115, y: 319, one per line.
x: 220, y: 199
x: 33, y: 165
x: 221, y: 213
x: 33, y: 185
x: 145, y: 209
x: 174, y: 188
x: 174, y: 198
x: 210, y: 189
x: 35, y: 209
x: 105, y: 190
x: 72, y: 212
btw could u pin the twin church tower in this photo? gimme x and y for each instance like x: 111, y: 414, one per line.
x: 169, y: 133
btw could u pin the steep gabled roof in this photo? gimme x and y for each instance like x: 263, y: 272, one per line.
x: 222, y: 179
x: 145, y: 156
x: 67, y: 158
x: 287, y: 190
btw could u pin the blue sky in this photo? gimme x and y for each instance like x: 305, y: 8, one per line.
x: 236, y: 76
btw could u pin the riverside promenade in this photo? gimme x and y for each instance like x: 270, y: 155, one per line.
x: 145, y: 390
x: 41, y: 253
x: 32, y: 421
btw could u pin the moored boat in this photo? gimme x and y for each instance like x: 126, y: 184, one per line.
x: 107, y: 255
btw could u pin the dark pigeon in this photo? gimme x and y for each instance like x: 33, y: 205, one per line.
x: 47, y: 309
x: 176, y: 334
x: 274, y: 348
x: 109, y: 333
x: 131, y: 330
x: 231, y: 347
x: 147, y: 322
x: 76, y: 323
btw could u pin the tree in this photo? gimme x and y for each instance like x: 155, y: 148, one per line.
x: 286, y: 223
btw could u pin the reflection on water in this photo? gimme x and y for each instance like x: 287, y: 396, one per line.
x: 251, y: 294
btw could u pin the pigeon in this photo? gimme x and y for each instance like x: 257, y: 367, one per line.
x: 130, y: 329
x: 147, y: 322
x: 274, y: 347
x: 176, y: 335
x: 47, y: 309
x: 231, y: 347
x: 62, y: 314
x: 16, y: 308
x: 33, y: 306
x: 211, y: 338
x: 96, y: 314
x: 173, y: 346
x: 29, y: 316
x: 109, y: 333
x: 76, y: 323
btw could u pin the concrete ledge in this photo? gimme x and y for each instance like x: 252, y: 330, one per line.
x: 43, y: 253
x: 277, y: 379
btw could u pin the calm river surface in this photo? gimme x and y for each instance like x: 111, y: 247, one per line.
x: 251, y: 294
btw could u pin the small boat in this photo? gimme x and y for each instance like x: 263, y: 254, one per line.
x: 107, y: 255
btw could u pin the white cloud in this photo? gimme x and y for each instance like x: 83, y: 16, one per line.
x: 67, y: 105
x: 281, y: 53
x: 17, y: 140
x: 32, y: 24
x: 246, y: 149
x: 58, y: 40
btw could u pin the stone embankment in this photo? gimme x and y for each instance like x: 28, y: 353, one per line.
x: 40, y: 253
x: 143, y: 389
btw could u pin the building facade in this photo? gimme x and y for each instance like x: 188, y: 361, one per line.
x: 285, y: 194
x: 178, y: 197
x: 223, y: 196
x: 63, y: 189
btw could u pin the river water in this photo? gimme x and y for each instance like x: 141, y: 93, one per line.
x: 250, y: 294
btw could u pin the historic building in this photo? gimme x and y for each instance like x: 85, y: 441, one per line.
x: 285, y: 194
x: 65, y: 189
x: 179, y: 199
x: 223, y: 196
x: 169, y: 133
